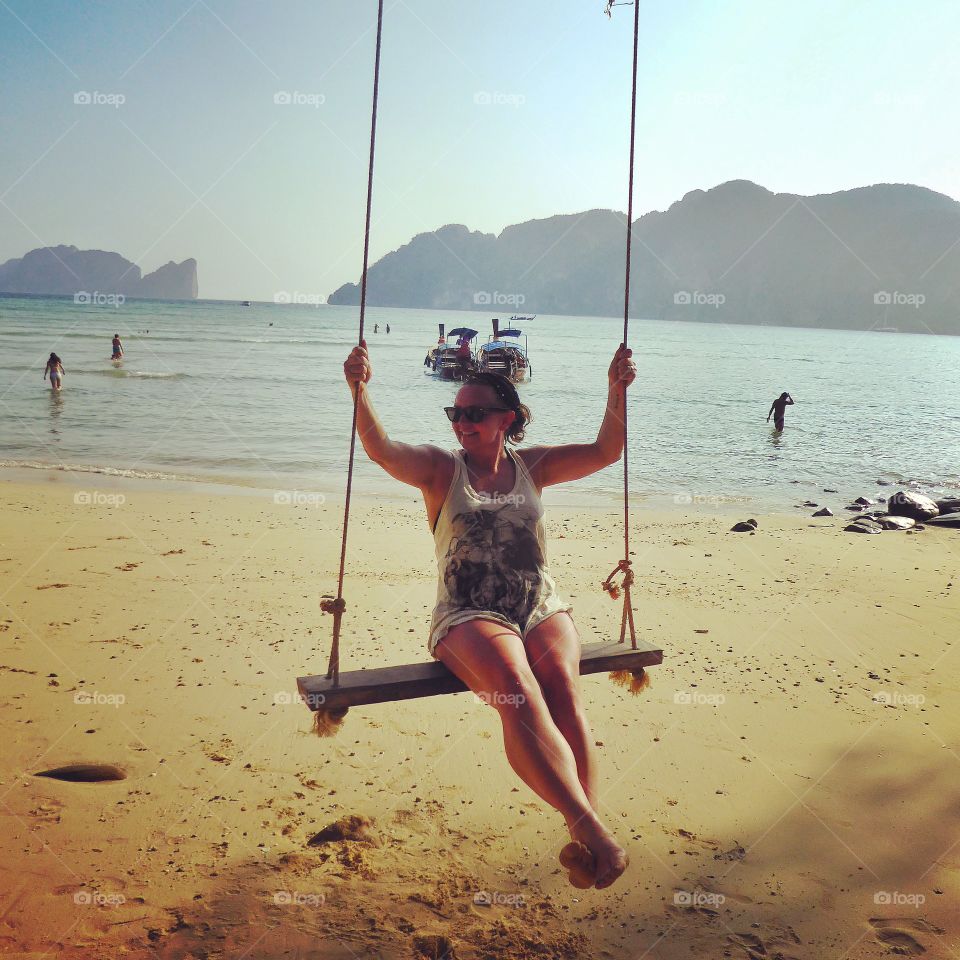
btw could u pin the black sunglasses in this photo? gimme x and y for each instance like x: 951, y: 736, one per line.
x: 473, y: 414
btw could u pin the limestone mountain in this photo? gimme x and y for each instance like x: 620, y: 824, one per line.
x: 880, y: 256
x: 67, y: 271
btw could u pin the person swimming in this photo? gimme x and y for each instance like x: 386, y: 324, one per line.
x: 55, y: 369
x: 777, y: 408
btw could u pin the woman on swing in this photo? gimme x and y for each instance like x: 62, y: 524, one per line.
x: 499, y: 624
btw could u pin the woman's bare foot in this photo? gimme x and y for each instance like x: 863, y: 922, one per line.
x: 609, y: 858
x: 580, y: 863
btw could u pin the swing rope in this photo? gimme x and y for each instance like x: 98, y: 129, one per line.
x: 624, y: 566
x: 329, y: 604
x: 336, y: 605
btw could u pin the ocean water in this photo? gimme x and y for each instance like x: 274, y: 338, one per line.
x: 255, y: 396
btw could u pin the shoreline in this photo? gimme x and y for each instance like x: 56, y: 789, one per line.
x: 561, y: 496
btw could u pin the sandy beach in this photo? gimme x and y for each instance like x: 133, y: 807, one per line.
x: 788, y: 786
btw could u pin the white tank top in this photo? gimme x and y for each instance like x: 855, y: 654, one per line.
x: 491, y: 555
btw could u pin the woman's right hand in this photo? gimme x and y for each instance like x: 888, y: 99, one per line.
x: 356, y: 367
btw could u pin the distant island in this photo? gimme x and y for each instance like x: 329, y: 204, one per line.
x: 877, y: 257
x: 67, y: 271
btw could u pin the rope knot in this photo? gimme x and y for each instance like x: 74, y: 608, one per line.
x: 333, y: 605
x: 614, y: 588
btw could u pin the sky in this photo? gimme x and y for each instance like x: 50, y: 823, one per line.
x: 236, y: 131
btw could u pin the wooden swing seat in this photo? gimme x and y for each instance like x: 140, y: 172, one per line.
x: 415, y: 680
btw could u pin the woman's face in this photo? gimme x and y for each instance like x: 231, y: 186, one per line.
x: 492, y: 429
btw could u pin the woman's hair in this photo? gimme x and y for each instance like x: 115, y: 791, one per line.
x: 54, y: 359
x: 508, y: 396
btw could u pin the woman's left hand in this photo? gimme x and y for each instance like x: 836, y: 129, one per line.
x: 623, y: 371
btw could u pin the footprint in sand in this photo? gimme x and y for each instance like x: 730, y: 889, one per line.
x: 85, y: 773
x: 434, y: 947
x: 893, y: 933
x: 53, y: 586
x: 47, y: 811
x: 353, y: 827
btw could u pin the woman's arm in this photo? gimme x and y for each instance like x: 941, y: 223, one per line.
x: 408, y: 463
x: 571, y: 461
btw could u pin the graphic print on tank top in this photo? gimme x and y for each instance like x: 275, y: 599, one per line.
x: 493, y: 564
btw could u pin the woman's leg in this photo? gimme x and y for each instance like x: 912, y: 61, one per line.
x: 491, y: 660
x: 553, y: 649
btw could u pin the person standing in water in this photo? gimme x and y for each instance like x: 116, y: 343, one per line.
x: 55, y: 368
x: 376, y: 328
x: 117, y: 348
x: 388, y: 328
x: 777, y: 408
